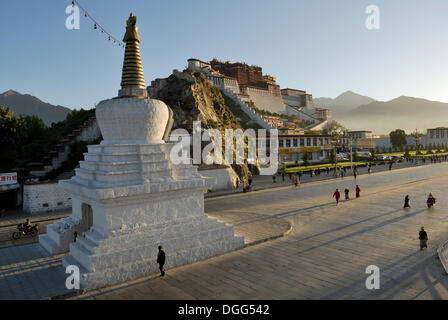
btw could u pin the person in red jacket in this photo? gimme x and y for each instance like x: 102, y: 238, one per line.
x: 358, y: 190
x: 337, y: 195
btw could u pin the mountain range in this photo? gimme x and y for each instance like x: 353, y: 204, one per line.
x: 358, y: 112
x: 352, y: 110
x: 29, y: 105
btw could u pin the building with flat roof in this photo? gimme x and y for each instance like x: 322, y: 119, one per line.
x: 437, y: 136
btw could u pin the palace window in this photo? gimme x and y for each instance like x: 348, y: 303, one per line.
x: 295, y: 142
x: 288, y: 143
x: 280, y: 143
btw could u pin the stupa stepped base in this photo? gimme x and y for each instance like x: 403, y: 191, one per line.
x: 127, y: 199
x: 130, y: 255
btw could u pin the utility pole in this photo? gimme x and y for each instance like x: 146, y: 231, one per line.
x: 335, y: 142
x: 351, y: 153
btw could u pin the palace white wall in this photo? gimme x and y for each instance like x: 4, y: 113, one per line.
x: 265, y: 100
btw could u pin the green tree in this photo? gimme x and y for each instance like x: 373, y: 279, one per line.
x: 397, y: 138
x: 10, y: 128
x: 306, y: 159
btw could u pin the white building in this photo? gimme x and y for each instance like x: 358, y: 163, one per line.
x: 437, y: 136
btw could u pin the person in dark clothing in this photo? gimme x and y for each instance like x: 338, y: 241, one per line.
x: 337, y: 195
x: 75, y: 235
x: 328, y: 170
x: 358, y: 191
x: 423, y: 237
x: 273, y: 178
x: 237, y: 182
x: 406, y: 202
x: 346, y: 191
x: 161, y: 260
x: 283, y: 177
x: 250, y: 181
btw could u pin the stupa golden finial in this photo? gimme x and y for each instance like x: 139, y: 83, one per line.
x: 132, y: 78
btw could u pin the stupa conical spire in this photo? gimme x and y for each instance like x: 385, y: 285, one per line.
x: 132, y: 78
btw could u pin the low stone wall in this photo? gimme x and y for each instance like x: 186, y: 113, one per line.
x: 45, y: 196
x: 225, y: 177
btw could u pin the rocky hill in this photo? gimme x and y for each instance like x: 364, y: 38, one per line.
x: 29, y: 105
x: 193, y: 97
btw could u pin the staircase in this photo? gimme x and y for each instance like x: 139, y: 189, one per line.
x: 247, y: 110
x: 87, y: 132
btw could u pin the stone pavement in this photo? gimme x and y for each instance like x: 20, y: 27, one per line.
x: 426, y: 281
x: 326, y: 254
x: 14, y: 217
x: 27, y: 272
x: 265, y: 182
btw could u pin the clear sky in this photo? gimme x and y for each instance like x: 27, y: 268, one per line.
x: 321, y: 46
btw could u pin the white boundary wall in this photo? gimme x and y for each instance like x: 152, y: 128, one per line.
x: 43, y: 197
x: 225, y: 177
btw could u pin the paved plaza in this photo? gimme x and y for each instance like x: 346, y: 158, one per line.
x: 323, y: 256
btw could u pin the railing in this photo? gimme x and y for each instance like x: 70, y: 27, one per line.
x: 442, y: 250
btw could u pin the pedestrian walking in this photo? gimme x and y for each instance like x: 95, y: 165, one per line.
x: 406, y: 202
x: 161, y: 260
x: 342, y: 173
x: 369, y: 170
x: 346, y: 191
x: 300, y: 174
x: 328, y: 171
x: 237, y: 182
x: 250, y: 181
x: 354, y: 173
x: 423, y: 237
x: 283, y: 176
x: 358, y: 191
x: 75, y: 235
x: 296, y: 182
x: 337, y: 196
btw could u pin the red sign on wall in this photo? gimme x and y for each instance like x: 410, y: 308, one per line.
x: 8, y: 178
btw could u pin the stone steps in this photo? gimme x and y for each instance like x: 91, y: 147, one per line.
x: 132, y: 166
x: 103, y: 179
x: 140, y: 250
x: 151, y: 233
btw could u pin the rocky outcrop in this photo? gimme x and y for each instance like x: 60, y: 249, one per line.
x: 193, y: 97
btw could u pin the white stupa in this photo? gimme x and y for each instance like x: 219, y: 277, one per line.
x: 128, y: 197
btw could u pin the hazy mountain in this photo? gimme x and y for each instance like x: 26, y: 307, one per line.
x: 29, y: 105
x: 406, y: 113
x: 343, y: 103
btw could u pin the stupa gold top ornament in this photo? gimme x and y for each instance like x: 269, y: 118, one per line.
x: 132, y: 78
